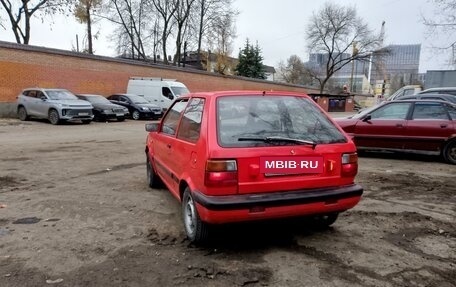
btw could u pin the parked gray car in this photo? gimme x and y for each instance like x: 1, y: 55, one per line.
x: 56, y: 105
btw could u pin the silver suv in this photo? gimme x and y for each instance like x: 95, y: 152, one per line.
x: 56, y: 105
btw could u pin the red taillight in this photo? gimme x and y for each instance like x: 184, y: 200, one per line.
x: 221, y: 173
x: 349, y: 164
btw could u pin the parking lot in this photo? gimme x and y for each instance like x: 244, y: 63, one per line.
x: 77, y: 211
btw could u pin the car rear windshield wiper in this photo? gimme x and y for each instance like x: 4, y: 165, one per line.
x: 278, y: 139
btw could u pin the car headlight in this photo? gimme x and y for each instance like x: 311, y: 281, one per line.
x: 125, y: 110
x: 64, y: 105
x: 106, y: 111
x: 145, y: 109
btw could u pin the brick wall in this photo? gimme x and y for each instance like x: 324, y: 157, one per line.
x: 23, y: 66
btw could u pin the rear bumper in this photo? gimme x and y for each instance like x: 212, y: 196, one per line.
x: 246, y: 207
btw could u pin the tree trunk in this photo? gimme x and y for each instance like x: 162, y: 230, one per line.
x: 178, y: 45
x: 89, y: 30
x: 201, y: 23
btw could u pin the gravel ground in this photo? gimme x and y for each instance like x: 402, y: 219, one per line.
x: 76, y: 211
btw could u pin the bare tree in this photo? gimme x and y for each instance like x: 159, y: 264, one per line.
x: 222, y: 34
x: 207, y: 14
x: 20, y: 13
x: 84, y: 13
x: 166, y: 10
x: 1, y: 23
x: 338, y: 33
x: 130, y: 16
x: 293, y: 71
x: 184, y: 7
x: 443, y: 23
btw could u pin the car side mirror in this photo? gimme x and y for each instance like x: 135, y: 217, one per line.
x: 152, y: 127
x: 43, y: 98
x: 367, y: 118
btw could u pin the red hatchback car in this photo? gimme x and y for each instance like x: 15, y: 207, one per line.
x: 416, y: 126
x: 250, y: 155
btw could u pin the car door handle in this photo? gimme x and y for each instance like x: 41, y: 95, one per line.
x: 399, y: 125
x: 443, y: 126
x: 168, y: 145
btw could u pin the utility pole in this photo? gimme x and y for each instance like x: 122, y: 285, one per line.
x: 354, y: 51
x: 77, y: 43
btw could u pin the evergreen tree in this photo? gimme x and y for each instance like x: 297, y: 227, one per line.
x: 250, y: 62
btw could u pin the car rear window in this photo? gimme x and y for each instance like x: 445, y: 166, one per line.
x: 253, y: 120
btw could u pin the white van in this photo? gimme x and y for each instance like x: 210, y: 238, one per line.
x: 156, y: 90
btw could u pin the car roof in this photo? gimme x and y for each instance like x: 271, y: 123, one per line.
x: 44, y: 89
x: 422, y: 101
x: 438, y: 89
x: 127, y: 95
x: 245, y: 92
x: 90, y: 95
x: 447, y: 97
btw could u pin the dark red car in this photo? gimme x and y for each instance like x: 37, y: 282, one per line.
x: 250, y: 155
x: 417, y: 126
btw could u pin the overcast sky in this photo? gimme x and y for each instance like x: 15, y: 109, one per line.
x: 277, y: 25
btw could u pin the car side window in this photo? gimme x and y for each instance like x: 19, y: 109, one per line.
x: 40, y: 95
x: 166, y: 92
x: 429, y: 111
x: 124, y: 100
x: 452, y: 112
x: 392, y: 111
x: 409, y: 92
x: 189, y: 129
x: 171, y: 119
x: 31, y: 94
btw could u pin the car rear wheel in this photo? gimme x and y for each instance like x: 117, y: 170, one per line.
x: 449, y: 152
x: 54, y: 117
x: 152, y: 178
x: 197, y: 231
x: 22, y: 114
x: 135, y: 115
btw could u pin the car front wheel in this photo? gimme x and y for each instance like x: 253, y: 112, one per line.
x: 152, y: 178
x: 22, y: 114
x: 197, y: 231
x: 135, y: 115
x: 449, y: 152
x: 54, y: 117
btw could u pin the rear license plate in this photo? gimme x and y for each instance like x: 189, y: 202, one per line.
x: 83, y: 114
x: 119, y: 115
x: 291, y: 164
x: 157, y: 113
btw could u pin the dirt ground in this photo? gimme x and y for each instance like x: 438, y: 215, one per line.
x: 76, y: 211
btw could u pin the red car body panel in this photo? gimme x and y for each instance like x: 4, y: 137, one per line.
x: 181, y: 163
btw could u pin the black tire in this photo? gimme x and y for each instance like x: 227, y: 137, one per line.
x: 325, y: 220
x: 449, y: 152
x: 22, y: 113
x: 120, y: 119
x: 197, y: 231
x: 136, y: 115
x: 86, y: 122
x: 54, y: 117
x: 152, y: 178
